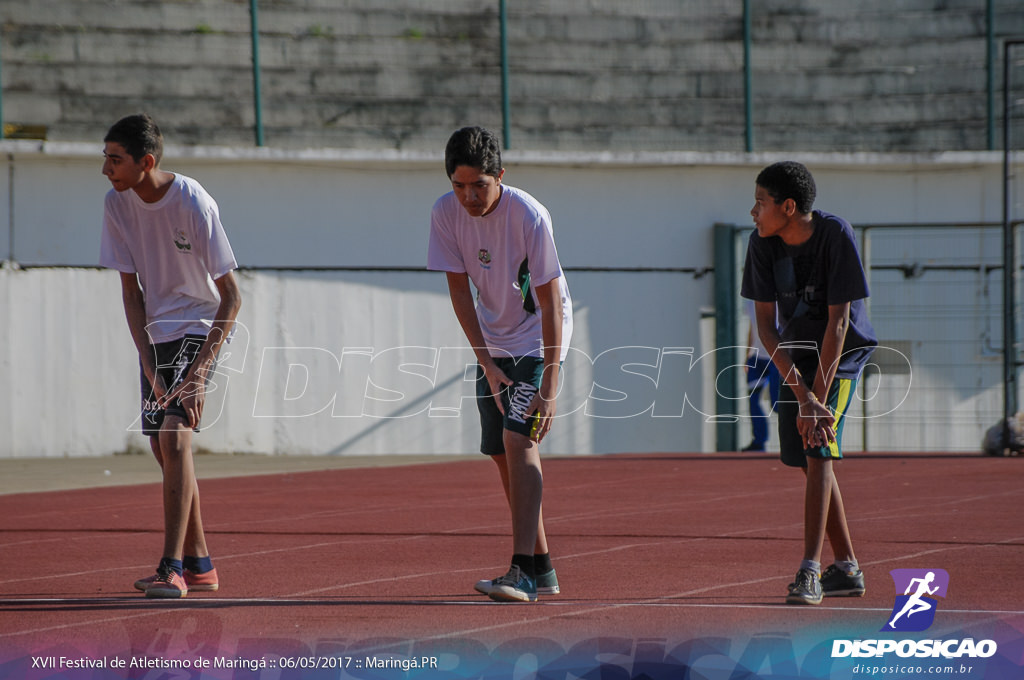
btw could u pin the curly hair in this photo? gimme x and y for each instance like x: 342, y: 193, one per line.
x: 789, y: 179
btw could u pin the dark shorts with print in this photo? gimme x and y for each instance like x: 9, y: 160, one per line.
x: 525, y: 374
x: 173, y: 361
x: 792, y: 451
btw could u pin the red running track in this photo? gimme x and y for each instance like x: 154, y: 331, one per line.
x: 647, y: 547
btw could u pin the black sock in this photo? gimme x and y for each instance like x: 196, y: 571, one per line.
x: 542, y: 563
x: 525, y: 563
x: 197, y: 565
x: 171, y: 564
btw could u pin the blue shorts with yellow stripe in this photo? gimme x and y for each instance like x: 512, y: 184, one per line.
x: 791, y: 443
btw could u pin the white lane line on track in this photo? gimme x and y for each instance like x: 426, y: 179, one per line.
x: 609, y: 606
x: 212, y: 602
x: 667, y: 506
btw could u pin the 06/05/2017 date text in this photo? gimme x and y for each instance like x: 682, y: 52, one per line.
x: 357, y: 662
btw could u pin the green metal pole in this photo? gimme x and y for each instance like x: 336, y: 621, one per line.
x: 1, y: 95
x: 990, y: 69
x: 504, y: 74
x: 748, y: 106
x: 257, y: 99
x: 865, y: 260
x: 725, y: 337
x: 1009, y: 263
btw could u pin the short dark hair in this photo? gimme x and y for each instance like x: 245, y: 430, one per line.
x: 139, y: 135
x: 789, y: 179
x: 475, y: 147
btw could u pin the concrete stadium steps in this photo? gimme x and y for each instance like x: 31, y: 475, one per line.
x: 598, y: 75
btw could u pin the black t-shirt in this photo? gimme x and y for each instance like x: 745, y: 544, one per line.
x: 803, y: 281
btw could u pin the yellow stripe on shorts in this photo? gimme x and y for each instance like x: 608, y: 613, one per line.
x: 842, y: 401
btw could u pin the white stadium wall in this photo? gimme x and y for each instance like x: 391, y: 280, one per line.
x: 347, y: 346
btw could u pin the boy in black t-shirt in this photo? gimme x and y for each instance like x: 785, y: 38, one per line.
x: 803, y: 266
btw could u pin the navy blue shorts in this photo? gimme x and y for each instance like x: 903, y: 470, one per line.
x: 791, y: 443
x: 525, y: 374
x: 174, y: 358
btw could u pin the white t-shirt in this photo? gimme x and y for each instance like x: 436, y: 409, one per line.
x: 177, y: 246
x: 491, y: 249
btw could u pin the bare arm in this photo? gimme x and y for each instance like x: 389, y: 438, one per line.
x: 135, y: 313
x: 828, y: 362
x: 192, y: 389
x: 465, y: 312
x: 831, y: 348
x: 769, y: 334
x: 815, y: 420
x: 549, y: 296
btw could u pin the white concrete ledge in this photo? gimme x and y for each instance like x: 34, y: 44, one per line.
x: 590, y: 159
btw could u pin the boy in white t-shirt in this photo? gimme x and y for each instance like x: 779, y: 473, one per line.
x: 162, y: 232
x: 500, y: 238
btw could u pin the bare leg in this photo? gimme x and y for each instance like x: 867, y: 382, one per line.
x: 541, y: 546
x: 195, y: 539
x: 817, y: 497
x: 836, y: 527
x: 525, y: 492
x: 183, y: 527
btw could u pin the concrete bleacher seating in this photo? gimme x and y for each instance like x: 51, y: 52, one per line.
x: 827, y: 75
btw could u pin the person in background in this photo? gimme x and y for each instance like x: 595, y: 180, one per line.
x: 761, y: 375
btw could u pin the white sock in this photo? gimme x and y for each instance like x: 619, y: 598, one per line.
x: 812, y: 566
x: 847, y: 567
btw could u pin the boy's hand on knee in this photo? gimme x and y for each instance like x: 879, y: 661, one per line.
x: 544, y: 410
x: 821, y: 435
x: 497, y: 380
x: 815, y: 423
x: 192, y: 395
x: 159, y: 388
x: 193, y: 403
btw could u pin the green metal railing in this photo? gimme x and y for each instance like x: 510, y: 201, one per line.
x: 505, y: 114
x: 257, y: 98
x: 1, y: 85
x: 1010, y: 363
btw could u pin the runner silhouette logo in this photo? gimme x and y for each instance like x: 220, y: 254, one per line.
x: 916, y: 593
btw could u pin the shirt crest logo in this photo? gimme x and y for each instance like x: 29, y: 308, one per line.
x: 485, y: 258
x: 181, y: 241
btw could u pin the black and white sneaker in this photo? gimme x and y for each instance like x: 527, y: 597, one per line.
x: 515, y: 586
x: 805, y: 588
x: 837, y: 583
x: 547, y: 584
